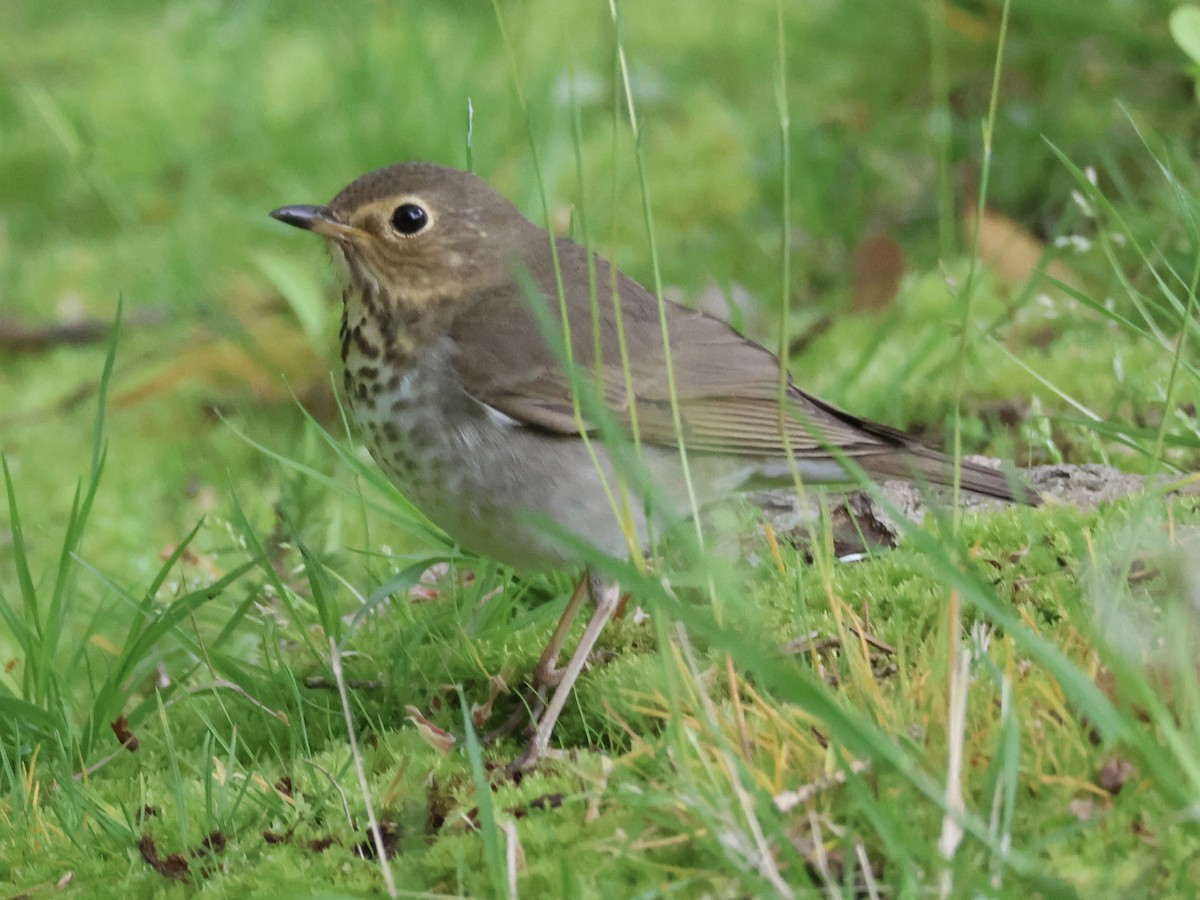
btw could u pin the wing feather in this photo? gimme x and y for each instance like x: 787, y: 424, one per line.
x: 727, y: 386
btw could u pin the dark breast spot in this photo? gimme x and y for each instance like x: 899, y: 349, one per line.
x: 365, y: 347
x: 389, y: 325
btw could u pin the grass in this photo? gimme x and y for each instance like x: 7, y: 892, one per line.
x: 184, y: 540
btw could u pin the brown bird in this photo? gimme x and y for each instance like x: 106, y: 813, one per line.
x: 478, y: 409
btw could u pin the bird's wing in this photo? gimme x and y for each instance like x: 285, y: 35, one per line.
x: 727, y: 387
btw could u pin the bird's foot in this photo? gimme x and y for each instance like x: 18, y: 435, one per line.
x: 526, y: 715
x: 534, y: 753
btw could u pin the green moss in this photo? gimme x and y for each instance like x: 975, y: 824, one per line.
x: 144, y: 145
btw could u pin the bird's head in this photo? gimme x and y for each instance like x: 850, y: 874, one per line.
x: 419, y: 233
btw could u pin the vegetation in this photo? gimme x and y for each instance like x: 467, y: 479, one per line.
x: 974, y: 220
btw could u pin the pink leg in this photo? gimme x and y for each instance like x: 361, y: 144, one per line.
x: 548, y: 674
x: 606, y: 598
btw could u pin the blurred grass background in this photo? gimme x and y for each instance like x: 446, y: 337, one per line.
x: 144, y: 143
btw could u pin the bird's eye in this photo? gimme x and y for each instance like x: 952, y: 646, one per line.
x: 409, y: 219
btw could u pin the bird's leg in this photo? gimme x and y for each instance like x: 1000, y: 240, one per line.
x: 606, y: 597
x: 548, y: 674
x: 531, y: 706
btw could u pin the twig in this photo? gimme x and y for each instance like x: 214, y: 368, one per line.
x: 335, y: 660
x: 789, y: 800
x: 956, y: 726
x: 865, y: 864
x: 337, y: 786
x: 514, y: 855
x: 809, y: 643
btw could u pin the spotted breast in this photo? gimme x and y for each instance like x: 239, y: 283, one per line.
x: 488, y: 481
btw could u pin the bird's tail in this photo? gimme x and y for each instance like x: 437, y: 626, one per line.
x: 921, y: 464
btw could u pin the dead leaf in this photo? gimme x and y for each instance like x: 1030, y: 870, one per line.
x: 174, y: 866
x: 124, y: 734
x: 1114, y: 773
x: 438, y: 738
x: 1011, y: 249
x: 878, y: 265
x: 481, y: 712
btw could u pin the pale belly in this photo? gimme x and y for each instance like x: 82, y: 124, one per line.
x: 498, y: 488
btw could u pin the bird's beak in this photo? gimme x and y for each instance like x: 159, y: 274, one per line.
x: 318, y: 219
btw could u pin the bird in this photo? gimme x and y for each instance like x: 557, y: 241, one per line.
x: 521, y: 391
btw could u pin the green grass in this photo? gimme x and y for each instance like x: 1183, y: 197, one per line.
x: 182, y: 539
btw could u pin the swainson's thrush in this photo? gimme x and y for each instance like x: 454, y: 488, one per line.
x: 468, y: 403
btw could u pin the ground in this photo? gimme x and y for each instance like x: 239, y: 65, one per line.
x: 228, y: 645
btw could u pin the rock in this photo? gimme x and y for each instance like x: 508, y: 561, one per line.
x: 860, y: 521
x: 1085, y: 487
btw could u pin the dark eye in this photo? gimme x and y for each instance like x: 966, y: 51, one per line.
x: 408, y: 219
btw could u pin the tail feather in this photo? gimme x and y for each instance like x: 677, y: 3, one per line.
x: 921, y: 464
x: 899, y: 456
